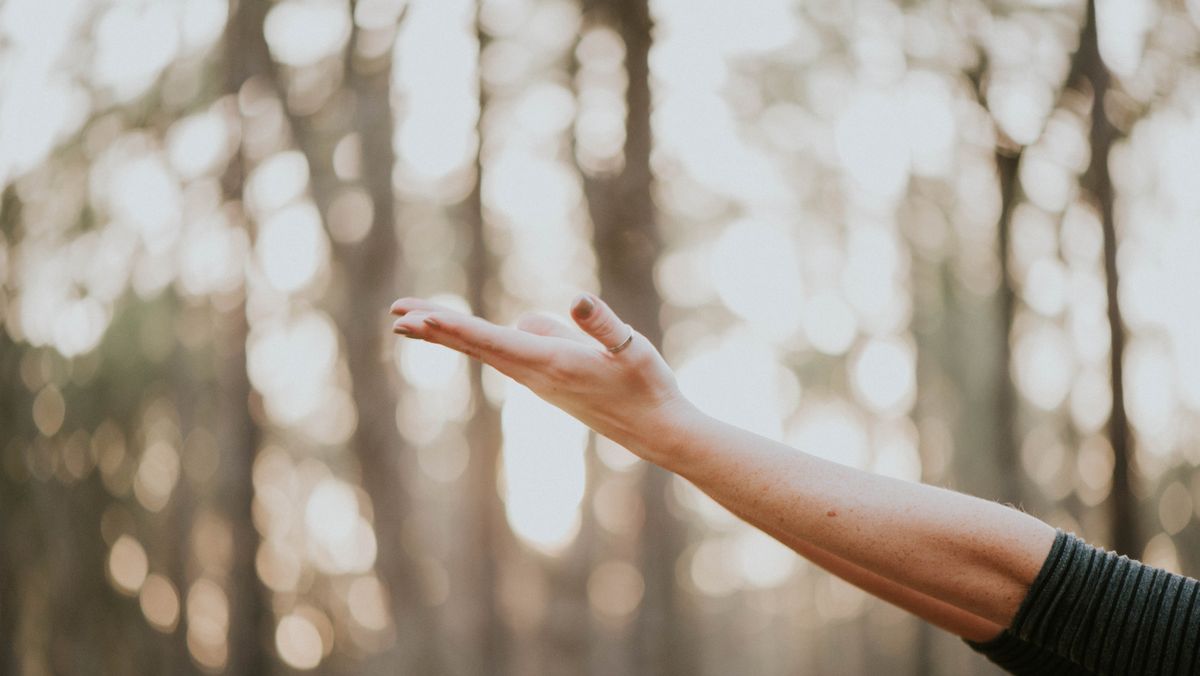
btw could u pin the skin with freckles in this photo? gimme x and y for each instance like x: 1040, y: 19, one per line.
x: 961, y: 563
x: 938, y: 613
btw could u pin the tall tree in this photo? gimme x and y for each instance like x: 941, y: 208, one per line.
x: 1127, y: 537
x: 246, y: 57
x: 371, y: 281
x: 1007, y: 156
x: 491, y: 539
x: 11, y: 492
x: 627, y: 244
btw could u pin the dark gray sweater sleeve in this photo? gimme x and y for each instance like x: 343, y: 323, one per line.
x: 1019, y: 657
x: 1102, y: 614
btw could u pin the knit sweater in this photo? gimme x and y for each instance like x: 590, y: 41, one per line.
x: 1090, y: 611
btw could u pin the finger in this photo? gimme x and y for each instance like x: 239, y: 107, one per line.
x: 545, y: 324
x: 413, y: 325
x: 599, y: 321
x: 405, y: 305
x: 477, y: 338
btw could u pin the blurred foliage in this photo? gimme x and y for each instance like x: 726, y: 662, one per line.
x: 926, y: 239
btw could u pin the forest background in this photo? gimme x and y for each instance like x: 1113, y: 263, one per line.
x: 948, y: 241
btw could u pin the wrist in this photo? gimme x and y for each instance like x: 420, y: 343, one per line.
x: 667, y: 441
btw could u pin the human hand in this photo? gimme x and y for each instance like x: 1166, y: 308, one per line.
x: 629, y: 395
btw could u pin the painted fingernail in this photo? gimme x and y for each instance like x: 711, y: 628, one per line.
x: 402, y: 330
x: 583, y: 306
x: 432, y: 322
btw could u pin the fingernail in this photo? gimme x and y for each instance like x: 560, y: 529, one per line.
x: 583, y: 306
x: 402, y: 330
x: 432, y: 322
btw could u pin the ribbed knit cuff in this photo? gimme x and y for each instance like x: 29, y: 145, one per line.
x: 1018, y: 657
x: 1111, y: 613
x: 1100, y: 612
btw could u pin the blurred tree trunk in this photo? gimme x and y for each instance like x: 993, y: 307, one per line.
x: 966, y: 405
x: 490, y: 541
x: 54, y: 598
x: 1087, y: 65
x: 246, y: 57
x: 193, y: 391
x: 1008, y: 162
x: 602, y: 650
x: 250, y: 622
x: 12, y: 491
x: 1007, y: 156
x: 956, y: 409
x: 596, y: 655
x: 1123, y: 504
x: 83, y: 638
x: 10, y: 494
x: 627, y: 245
x: 176, y: 545
x: 372, y: 282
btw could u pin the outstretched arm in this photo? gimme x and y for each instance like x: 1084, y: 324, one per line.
x: 958, y: 551
x: 973, y: 554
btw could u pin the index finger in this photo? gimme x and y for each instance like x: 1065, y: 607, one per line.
x: 498, y: 346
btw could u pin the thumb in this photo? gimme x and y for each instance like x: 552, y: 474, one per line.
x: 598, y: 320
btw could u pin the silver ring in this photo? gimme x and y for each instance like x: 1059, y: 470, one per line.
x: 624, y: 343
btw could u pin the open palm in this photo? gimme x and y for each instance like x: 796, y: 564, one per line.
x: 629, y: 396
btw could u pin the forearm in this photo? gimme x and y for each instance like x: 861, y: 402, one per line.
x: 969, y: 553
x: 938, y: 613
